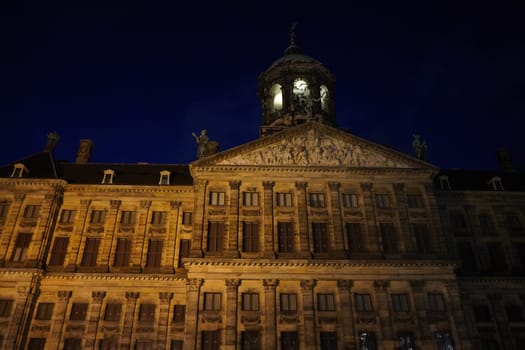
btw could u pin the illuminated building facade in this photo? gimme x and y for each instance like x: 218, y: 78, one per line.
x: 306, y: 238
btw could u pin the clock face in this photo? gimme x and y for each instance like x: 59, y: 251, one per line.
x: 300, y: 87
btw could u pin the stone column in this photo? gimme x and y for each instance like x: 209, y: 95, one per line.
x: 456, y: 314
x: 422, y: 329
x: 164, y: 319
x: 309, y: 332
x: 337, y: 224
x: 93, y: 316
x: 129, y: 319
x: 198, y: 219
x: 269, y: 337
x: 383, y: 311
x: 345, y: 321
x: 232, y: 249
x: 371, y: 241
x: 302, y: 222
x: 230, y: 340
x: 193, y: 287
x: 406, y: 242
x: 58, y: 320
x: 8, y: 232
x: 269, y: 246
x: 21, y: 316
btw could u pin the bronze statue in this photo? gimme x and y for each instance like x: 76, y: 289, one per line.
x: 202, y: 142
x: 419, y: 146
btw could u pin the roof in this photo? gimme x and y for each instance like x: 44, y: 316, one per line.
x: 478, y: 180
x: 125, y: 174
x: 39, y: 165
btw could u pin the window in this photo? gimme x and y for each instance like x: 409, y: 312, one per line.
x: 31, y: 211
x: 289, y: 341
x: 164, y: 177
x: 328, y: 340
x: 444, y: 340
x: 481, y: 313
x: 400, y: 302
x: 59, y: 251
x: 109, y: 174
x: 422, y: 238
x: 154, y: 253
x: 78, y: 311
x: 250, y: 199
x: 67, y: 217
x: 89, y: 258
x: 383, y: 201
x: 73, y: 344
x: 108, y: 344
x: 187, y: 218
x: 112, y: 312
x: 44, y: 311
x: 285, y: 237
x: 436, y: 302
x: 122, y: 252
x: 496, y: 183
x: 177, y: 345
x: 21, y: 247
x: 353, y: 234
x: 444, y: 183
x: 325, y: 302
x: 406, y: 341
x: 143, y: 345
x: 367, y: 341
x: 497, y: 256
x: 147, y: 312
x: 212, y: 301
x: 514, y: 313
x: 415, y: 200
x: 158, y: 218
x: 468, y: 259
x: 325, y: 99
x: 127, y: 218
x: 184, y: 251
x: 98, y: 216
x: 211, y: 340
x: 179, y: 313
x: 276, y: 96
x: 250, y: 301
x: 250, y: 340
x: 18, y: 170
x: 5, y: 307
x: 217, y: 198
x: 36, y: 344
x: 389, y: 238
x: 250, y: 236
x: 284, y: 199
x: 215, y: 236
x: 350, y: 200
x: 362, y: 302
x: 514, y: 225
x: 320, y: 237
x: 288, y: 302
x: 317, y: 200
x: 4, y: 207
x: 486, y: 224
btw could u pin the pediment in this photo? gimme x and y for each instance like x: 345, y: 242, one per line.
x: 313, y: 145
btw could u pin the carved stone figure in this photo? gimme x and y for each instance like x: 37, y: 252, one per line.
x: 202, y: 142
x: 419, y: 146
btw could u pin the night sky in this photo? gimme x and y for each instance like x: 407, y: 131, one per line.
x: 139, y: 77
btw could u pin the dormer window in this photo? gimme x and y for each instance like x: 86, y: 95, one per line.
x: 164, y: 177
x: 496, y: 183
x: 18, y: 170
x: 444, y: 184
x: 109, y: 174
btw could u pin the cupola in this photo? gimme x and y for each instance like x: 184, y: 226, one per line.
x: 295, y: 89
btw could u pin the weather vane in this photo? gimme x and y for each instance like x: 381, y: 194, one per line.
x: 291, y: 32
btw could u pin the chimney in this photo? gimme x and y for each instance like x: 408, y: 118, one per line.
x: 84, y: 151
x: 52, y: 139
x: 504, y: 160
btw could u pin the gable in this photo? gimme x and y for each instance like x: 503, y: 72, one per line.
x: 313, y: 145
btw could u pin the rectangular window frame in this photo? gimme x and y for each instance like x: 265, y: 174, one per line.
x: 250, y: 199
x: 217, y: 198
x: 212, y: 301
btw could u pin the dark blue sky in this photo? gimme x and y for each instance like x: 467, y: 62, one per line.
x: 139, y: 77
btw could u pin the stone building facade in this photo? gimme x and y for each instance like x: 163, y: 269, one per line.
x: 306, y: 238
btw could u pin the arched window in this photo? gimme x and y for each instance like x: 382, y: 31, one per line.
x: 325, y: 98
x: 301, y: 95
x: 276, y: 94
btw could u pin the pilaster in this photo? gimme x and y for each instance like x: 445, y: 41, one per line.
x: 309, y: 333
x: 270, y: 328
x: 129, y: 319
x: 405, y: 237
x: 337, y: 224
x: 93, y: 317
x: 381, y: 288
x: 232, y: 249
x: 371, y: 241
x: 164, y: 317
x: 231, y: 314
x: 59, y: 312
x: 302, y: 221
x: 345, y: 321
x: 10, y: 226
x: 269, y: 250
x: 193, y: 287
x: 198, y: 222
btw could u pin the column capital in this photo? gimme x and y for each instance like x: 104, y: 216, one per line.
x: 270, y: 284
x: 19, y: 197
x: 194, y: 284
x: 417, y: 285
x: 63, y: 295
x: 381, y: 285
x: 114, y: 203
x: 232, y: 284
x: 367, y: 186
x: 145, y: 204
x: 268, y: 185
x: 399, y: 186
x: 235, y: 184
x: 200, y: 183
x: 308, y: 285
x: 334, y: 186
x: 345, y: 284
x: 165, y: 297
x: 98, y: 296
x: 175, y: 204
x: 301, y: 185
x: 49, y: 197
x: 84, y: 203
x: 132, y: 295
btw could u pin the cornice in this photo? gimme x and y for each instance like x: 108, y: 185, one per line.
x: 32, y: 182
x: 113, y: 277
x: 129, y: 189
x: 482, y: 283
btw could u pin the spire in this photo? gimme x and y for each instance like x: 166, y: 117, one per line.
x: 292, y: 49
